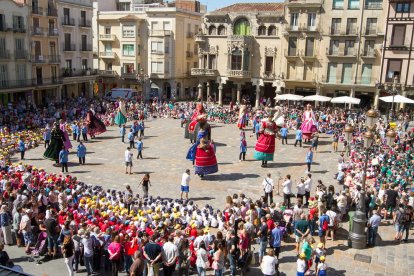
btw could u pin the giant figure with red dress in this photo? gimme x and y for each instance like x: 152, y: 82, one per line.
x: 95, y: 126
x: 191, y: 127
x: 308, y: 126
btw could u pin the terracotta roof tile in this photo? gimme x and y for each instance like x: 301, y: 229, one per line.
x: 252, y: 7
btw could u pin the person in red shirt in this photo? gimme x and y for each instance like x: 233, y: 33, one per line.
x: 193, y: 231
x: 270, y: 223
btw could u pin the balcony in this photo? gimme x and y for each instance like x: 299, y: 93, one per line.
x: 21, y: 54
x: 199, y: 38
x: 292, y: 53
x: 19, y: 28
x: 341, y: 52
x: 239, y: 73
x: 85, y: 47
x: 159, y: 75
x: 37, y: 31
x: 54, y: 59
x: 269, y: 75
x: 39, y: 59
x: 239, y: 40
x: 351, y: 31
x: 37, y: 10
x: 204, y: 72
x: 372, y: 31
x: 334, y: 31
x: 160, y: 33
x: 48, y: 81
x: 5, y: 28
x: 107, y: 55
x: 132, y: 75
x: 83, y: 23
x: 107, y: 73
x: 72, y: 72
x: 350, y: 52
x: 53, y: 32
x: 68, y: 47
x: 190, y: 35
x: 189, y: 54
x: 4, y: 54
x: 107, y: 37
x: 68, y: 21
x: 371, y: 53
x: 292, y: 28
x: 373, y: 6
x: 52, y: 12
x: 308, y: 55
x: 14, y: 84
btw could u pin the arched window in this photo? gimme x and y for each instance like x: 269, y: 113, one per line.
x: 212, y: 30
x: 236, y: 59
x: 272, y: 31
x: 262, y: 30
x: 241, y: 27
x: 221, y: 30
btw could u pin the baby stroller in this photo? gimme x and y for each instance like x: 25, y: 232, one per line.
x: 40, y: 248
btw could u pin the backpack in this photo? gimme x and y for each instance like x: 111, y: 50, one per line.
x: 325, y: 225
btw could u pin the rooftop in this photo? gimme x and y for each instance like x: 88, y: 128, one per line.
x: 252, y: 7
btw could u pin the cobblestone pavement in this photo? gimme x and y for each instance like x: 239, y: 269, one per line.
x: 164, y: 158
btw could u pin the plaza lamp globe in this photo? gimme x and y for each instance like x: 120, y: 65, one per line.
x: 349, y: 130
x: 390, y: 137
x: 368, y: 139
x: 371, y: 118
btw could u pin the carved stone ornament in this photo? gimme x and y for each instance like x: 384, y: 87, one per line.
x: 269, y: 51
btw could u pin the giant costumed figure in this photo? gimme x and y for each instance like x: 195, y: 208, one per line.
x: 308, y: 126
x: 203, y: 152
x: 56, y: 144
x: 191, y: 127
x: 95, y: 126
x: 265, y: 145
x: 120, y: 118
x: 241, y: 123
x: 62, y: 126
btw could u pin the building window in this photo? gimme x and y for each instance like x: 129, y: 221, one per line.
x: 312, y: 21
x: 221, y: 30
x: 268, y: 65
x: 272, y: 31
x: 18, y: 22
x: 338, y: 4
x: 123, y: 6
x: 3, y: 75
x: 128, y: 30
x: 398, y: 35
x: 349, y: 47
x: 334, y: 49
x: 403, y: 7
x: 369, y: 49
x: 241, y: 27
x: 157, y: 47
x: 292, y: 46
x: 212, y: 30
x: 21, y: 71
x: 351, y: 26
x: 84, y: 64
x: 157, y: 67
x: 167, y: 47
x: 262, y: 30
x: 332, y: 73
x: 353, y: 4
x: 128, y: 50
x: 128, y: 68
x: 212, y: 62
x: 346, y: 73
x: 373, y: 4
x: 394, y: 69
x: 366, y: 73
x: 236, y: 59
x: 294, y: 17
x: 309, y: 46
x: 371, y: 26
x: 335, y: 26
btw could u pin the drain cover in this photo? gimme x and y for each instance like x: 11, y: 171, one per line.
x: 362, y: 258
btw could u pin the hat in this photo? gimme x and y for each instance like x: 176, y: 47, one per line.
x: 322, y: 258
x: 320, y: 245
x: 302, y: 255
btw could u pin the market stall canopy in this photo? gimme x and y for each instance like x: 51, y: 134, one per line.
x: 316, y: 98
x: 397, y: 99
x: 346, y: 100
x: 288, y: 97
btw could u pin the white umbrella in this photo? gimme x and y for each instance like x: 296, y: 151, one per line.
x: 346, y: 100
x: 317, y: 98
x: 397, y: 99
x: 288, y: 97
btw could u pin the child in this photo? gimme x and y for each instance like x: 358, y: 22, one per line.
x: 243, y: 146
x: 298, y: 137
x: 322, y: 266
x: 85, y: 132
x: 301, y: 265
x: 75, y: 130
x: 131, y: 137
x: 319, y: 253
x: 140, y: 146
x: 46, y: 136
x: 122, y: 131
x: 284, y: 133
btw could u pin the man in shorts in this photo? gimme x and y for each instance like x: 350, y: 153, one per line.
x: 185, y: 184
x: 128, y: 160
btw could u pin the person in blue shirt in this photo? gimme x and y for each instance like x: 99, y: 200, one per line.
x: 323, y: 229
x: 63, y: 159
x: 122, y: 131
x: 284, y: 133
x: 276, y: 237
x: 131, y: 138
x: 298, y: 137
x: 257, y: 129
x: 22, y: 148
x: 140, y: 147
x: 243, y: 146
x: 47, y: 136
x: 84, y: 133
x: 81, y: 153
x: 75, y: 131
x: 141, y: 128
x: 309, y: 158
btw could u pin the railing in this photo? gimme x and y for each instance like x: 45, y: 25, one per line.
x: 37, y: 10
x: 239, y: 73
x: 200, y: 38
x: 38, y: 31
x: 19, y: 28
x: 351, y: 31
x: 84, y: 23
x: 373, y: 5
x: 334, y: 30
x: 269, y: 75
x: 292, y: 28
x: 53, y: 32
x: 190, y: 35
x: 68, y: 47
x: 107, y: 73
x: 129, y: 75
x: 85, y: 48
x: 51, y: 11
x: 68, y: 21
x: 366, y: 80
x: 107, y: 54
x: 20, y: 54
x: 47, y: 81
x: 157, y: 52
x: 308, y: 54
x: 160, y: 32
x: 53, y: 59
x: 4, y: 54
x: 4, y: 28
x: 107, y: 37
x: 70, y: 72
x: 10, y: 84
x: 39, y: 59
x: 203, y: 72
x: 333, y: 51
x: 291, y: 52
x: 349, y: 51
x: 369, y: 54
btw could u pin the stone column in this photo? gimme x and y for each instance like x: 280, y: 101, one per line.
x: 208, y: 90
x: 404, y: 94
x: 376, y: 98
x: 257, y: 103
x: 239, y: 93
x: 200, y: 91
x: 233, y: 94
x: 91, y: 88
x: 220, y: 94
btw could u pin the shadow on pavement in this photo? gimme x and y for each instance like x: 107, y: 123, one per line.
x: 202, y: 198
x: 230, y: 176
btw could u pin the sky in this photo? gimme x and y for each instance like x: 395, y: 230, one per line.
x: 216, y: 4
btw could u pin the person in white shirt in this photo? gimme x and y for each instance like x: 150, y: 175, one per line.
x: 268, y: 187
x: 128, y: 160
x: 169, y: 256
x: 269, y: 265
x: 300, y: 189
x: 185, y: 184
x: 287, y: 190
x: 308, y: 188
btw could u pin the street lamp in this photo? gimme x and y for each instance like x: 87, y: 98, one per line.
x: 349, y: 130
x: 393, y: 90
x: 357, y: 235
x: 391, y: 134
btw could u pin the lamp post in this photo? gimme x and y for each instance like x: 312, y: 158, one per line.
x: 357, y: 235
x: 394, y: 89
x: 142, y: 79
